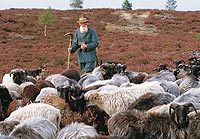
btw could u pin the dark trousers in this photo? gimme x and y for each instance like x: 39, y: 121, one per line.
x: 87, y: 66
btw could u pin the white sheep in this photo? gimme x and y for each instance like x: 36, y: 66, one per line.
x: 76, y: 131
x: 36, y: 110
x: 45, y: 91
x: 120, y: 99
x: 35, y: 128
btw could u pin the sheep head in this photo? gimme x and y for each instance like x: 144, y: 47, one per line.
x: 180, y: 114
x: 95, y: 98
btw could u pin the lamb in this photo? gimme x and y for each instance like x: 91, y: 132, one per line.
x: 120, y: 99
x: 76, y: 131
x: 35, y: 128
x: 36, y: 110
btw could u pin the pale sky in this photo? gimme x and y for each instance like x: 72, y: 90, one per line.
x: 182, y: 5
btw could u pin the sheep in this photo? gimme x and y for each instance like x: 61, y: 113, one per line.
x: 6, y: 137
x: 35, y: 128
x: 35, y: 110
x: 43, y: 83
x: 170, y: 87
x: 173, y: 126
x: 36, y: 73
x: 191, y: 80
x: 45, y: 91
x: 17, y: 103
x: 23, y: 85
x: 7, y: 126
x: 117, y: 80
x: 30, y: 92
x: 76, y: 131
x: 191, y: 96
x: 136, y: 77
x: 120, y: 99
x: 72, y: 74
x: 55, y: 101
x: 124, y: 123
x: 149, y: 100
x: 5, y: 98
x: 162, y: 75
x: 194, y: 125
x: 18, y: 76
x: 14, y: 90
x: 58, y: 80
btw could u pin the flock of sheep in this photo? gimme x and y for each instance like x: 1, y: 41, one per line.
x: 108, y: 103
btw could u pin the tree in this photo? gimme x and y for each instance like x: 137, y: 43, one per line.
x: 47, y: 18
x: 127, y: 5
x: 171, y: 5
x: 77, y: 4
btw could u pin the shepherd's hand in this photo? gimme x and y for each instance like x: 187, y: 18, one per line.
x: 69, y: 50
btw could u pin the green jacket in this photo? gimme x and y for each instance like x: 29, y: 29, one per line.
x: 91, y: 39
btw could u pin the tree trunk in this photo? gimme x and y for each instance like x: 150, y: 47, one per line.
x: 45, y: 30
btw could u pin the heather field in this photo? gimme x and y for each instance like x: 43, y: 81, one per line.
x: 141, y: 39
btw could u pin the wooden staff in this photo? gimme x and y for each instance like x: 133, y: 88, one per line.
x: 70, y: 45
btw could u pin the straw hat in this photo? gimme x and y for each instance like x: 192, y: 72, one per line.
x: 82, y: 19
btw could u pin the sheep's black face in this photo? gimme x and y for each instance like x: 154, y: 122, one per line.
x: 19, y: 77
x: 5, y: 98
x: 180, y: 116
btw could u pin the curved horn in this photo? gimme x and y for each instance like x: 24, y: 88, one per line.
x: 190, y: 105
x: 73, y: 98
x: 172, y: 106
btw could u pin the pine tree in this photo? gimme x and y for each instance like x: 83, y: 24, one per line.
x: 171, y: 5
x: 127, y: 5
x: 76, y: 4
x: 47, y: 18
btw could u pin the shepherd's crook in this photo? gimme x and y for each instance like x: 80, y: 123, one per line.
x: 70, y: 45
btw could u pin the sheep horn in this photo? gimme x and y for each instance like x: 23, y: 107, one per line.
x: 73, y: 97
x: 190, y: 105
x: 172, y: 106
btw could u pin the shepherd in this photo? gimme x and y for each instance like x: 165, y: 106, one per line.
x: 86, y: 41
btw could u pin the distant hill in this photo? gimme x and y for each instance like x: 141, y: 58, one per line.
x: 141, y: 39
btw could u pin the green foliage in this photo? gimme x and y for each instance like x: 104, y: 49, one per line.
x: 171, y: 5
x: 198, y: 36
x: 127, y: 5
x: 47, y: 18
x: 76, y: 4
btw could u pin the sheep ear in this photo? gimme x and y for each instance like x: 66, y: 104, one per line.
x: 190, y: 105
x: 172, y: 106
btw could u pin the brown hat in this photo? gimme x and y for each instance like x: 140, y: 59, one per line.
x: 82, y: 19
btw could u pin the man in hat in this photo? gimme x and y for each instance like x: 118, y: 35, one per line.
x: 85, y: 41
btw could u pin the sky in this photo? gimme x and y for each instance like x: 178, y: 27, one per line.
x: 182, y: 5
